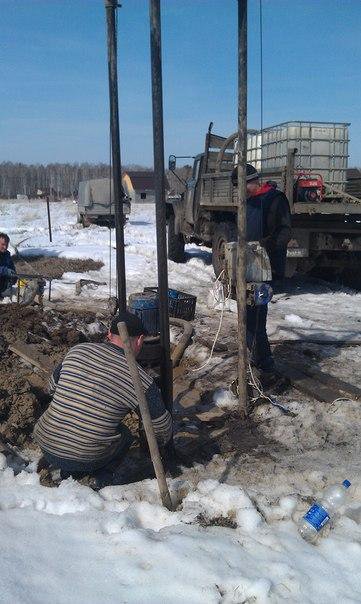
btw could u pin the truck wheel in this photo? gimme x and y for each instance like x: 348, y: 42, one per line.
x: 175, y: 242
x: 223, y: 233
x: 291, y: 267
x: 85, y: 221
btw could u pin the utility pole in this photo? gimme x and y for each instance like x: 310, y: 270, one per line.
x: 160, y: 207
x: 111, y: 8
x: 241, y: 215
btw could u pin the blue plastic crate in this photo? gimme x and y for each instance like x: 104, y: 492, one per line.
x: 146, y: 306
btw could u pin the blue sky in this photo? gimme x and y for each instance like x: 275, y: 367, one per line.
x: 54, y: 103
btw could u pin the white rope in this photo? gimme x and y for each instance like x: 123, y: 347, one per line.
x: 255, y: 383
x: 343, y: 400
x: 220, y: 298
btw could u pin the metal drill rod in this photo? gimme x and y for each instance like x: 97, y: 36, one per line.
x: 241, y: 214
x: 161, y: 221
x: 119, y: 195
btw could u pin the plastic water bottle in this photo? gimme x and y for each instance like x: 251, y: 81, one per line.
x: 320, y: 513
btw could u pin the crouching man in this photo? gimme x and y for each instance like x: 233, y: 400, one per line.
x: 81, y: 430
x: 7, y: 268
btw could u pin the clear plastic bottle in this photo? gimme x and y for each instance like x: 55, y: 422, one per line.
x: 321, y: 512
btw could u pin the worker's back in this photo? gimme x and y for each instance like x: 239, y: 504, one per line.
x: 94, y: 392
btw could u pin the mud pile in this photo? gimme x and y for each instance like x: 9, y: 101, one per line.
x: 23, y: 388
x: 54, y: 268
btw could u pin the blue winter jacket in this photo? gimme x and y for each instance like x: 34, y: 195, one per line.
x: 6, y: 262
x: 269, y: 221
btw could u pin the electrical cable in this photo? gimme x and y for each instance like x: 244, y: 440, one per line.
x: 224, y: 299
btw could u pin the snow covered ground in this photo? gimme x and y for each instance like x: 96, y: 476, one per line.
x: 118, y: 546
x: 319, y: 312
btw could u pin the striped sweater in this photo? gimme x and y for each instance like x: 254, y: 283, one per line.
x: 93, y: 391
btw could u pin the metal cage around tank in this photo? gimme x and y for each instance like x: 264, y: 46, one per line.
x: 322, y: 147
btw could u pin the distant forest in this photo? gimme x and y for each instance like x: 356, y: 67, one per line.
x: 62, y: 180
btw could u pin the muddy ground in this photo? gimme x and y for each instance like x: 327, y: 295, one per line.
x: 54, y: 268
x: 202, y: 428
x: 23, y: 388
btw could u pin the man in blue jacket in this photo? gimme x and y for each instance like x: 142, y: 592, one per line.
x: 7, y: 268
x: 268, y: 220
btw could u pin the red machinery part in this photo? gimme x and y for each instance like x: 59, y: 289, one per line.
x: 309, y: 187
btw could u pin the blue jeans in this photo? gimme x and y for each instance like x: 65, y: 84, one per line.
x: 90, y: 467
x: 257, y: 340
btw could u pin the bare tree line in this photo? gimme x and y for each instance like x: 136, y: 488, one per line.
x: 62, y: 180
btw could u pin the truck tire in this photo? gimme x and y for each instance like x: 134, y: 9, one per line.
x: 291, y: 267
x: 175, y: 242
x: 85, y: 221
x: 223, y: 233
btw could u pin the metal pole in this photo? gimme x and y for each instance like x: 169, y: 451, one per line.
x: 111, y: 7
x: 158, y: 146
x: 49, y: 220
x: 242, y: 195
x: 146, y: 418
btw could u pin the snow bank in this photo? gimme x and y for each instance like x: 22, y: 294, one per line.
x: 70, y: 544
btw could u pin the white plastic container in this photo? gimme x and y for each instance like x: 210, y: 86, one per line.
x: 320, y: 513
x: 322, y: 148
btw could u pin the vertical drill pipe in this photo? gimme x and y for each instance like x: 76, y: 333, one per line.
x: 146, y: 418
x: 241, y: 215
x: 111, y: 7
x: 49, y: 220
x: 158, y: 146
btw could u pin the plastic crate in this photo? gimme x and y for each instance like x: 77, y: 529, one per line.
x: 146, y: 306
x: 180, y: 304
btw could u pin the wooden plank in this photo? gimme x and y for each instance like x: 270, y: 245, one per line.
x: 344, y: 389
x: 306, y: 384
x: 321, y: 386
x: 324, y: 207
x: 32, y: 356
x: 216, y: 141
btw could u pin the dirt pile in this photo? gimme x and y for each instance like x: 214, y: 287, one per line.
x: 23, y: 388
x: 54, y: 268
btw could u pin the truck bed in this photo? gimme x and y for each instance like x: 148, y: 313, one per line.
x: 218, y: 192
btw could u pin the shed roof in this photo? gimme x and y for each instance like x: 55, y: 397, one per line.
x: 143, y: 180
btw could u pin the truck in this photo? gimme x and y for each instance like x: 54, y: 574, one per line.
x: 96, y: 202
x: 308, y: 162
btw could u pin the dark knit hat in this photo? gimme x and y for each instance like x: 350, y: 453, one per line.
x: 251, y: 173
x: 134, y: 324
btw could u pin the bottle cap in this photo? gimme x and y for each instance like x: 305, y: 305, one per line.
x: 346, y: 484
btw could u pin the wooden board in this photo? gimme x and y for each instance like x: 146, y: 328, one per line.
x: 29, y: 353
x: 317, y: 384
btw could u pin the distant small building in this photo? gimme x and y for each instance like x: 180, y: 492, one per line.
x: 139, y: 186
